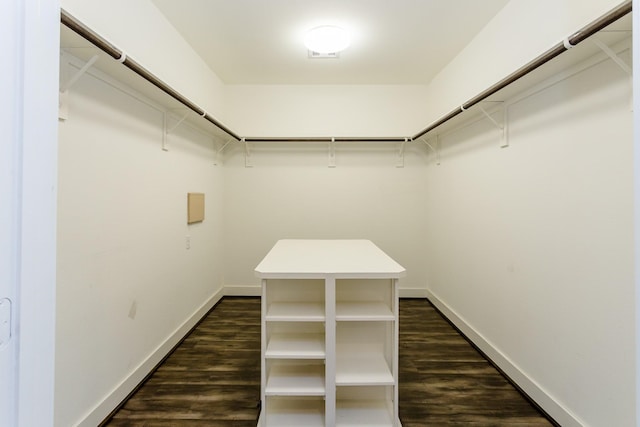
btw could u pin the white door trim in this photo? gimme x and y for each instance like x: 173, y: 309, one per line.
x: 29, y: 39
x: 636, y: 184
x: 10, y: 70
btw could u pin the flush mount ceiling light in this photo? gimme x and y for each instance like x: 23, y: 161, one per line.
x: 327, y: 39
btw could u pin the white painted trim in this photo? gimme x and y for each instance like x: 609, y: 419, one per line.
x: 242, y: 290
x: 37, y: 37
x: 636, y: 191
x: 11, y: 105
x: 120, y: 392
x: 546, y: 401
x: 255, y: 291
x: 413, y: 293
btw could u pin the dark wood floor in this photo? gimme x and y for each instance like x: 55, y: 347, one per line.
x: 213, y: 377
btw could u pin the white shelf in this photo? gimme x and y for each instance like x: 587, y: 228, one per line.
x: 329, y: 335
x: 363, y: 413
x: 295, y: 413
x: 295, y: 380
x: 295, y: 346
x: 295, y: 312
x: 363, y: 371
x: 291, y: 259
x: 363, y: 311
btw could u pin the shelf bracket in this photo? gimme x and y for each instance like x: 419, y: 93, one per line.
x: 165, y: 134
x: 168, y: 131
x: 247, y: 154
x: 63, y: 96
x: 614, y: 56
x: 218, y: 155
x: 400, y: 163
x: 504, y: 142
x: 165, y: 126
x: 436, y: 150
x: 64, y: 88
x: 505, y: 126
x: 332, y: 153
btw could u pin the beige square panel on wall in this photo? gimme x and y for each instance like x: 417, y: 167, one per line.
x: 195, y: 207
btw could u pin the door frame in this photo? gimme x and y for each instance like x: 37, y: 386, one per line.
x: 30, y: 31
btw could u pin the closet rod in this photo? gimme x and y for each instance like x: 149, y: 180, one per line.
x: 86, y: 33
x: 325, y: 139
x: 586, y: 32
x: 579, y: 36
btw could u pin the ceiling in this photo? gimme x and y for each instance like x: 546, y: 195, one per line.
x: 393, y: 41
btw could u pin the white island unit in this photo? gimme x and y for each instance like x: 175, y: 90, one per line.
x: 329, y: 334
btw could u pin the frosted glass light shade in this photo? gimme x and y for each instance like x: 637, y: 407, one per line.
x: 327, y: 39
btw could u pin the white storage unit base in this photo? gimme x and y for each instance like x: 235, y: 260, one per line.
x: 329, y: 334
x: 365, y: 413
x: 293, y: 413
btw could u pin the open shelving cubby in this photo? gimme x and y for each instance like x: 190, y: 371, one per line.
x: 329, y: 351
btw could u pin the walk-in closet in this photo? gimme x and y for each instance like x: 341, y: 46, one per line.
x: 462, y: 174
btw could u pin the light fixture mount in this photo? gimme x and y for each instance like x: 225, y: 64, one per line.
x: 317, y: 55
x: 327, y: 39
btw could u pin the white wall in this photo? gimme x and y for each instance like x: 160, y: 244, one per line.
x: 327, y: 110
x: 521, y: 31
x: 530, y: 248
x: 127, y: 286
x: 509, y: 41
x: 291, y: 193
x: 144, y: 34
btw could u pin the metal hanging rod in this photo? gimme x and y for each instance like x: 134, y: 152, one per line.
x: 325, y: 139
x: 579, y: 36
x: 622, y: 10
x: 85, y: 32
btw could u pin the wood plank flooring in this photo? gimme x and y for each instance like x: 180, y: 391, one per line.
x: 213, y: 377
x: 445, y: 381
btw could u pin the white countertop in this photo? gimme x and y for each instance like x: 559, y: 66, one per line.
x: 321, y: 258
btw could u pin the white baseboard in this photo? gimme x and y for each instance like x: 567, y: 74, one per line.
x: 559, y: 413
x: 413, y: 293
x: 255, y: 291
x: 99, y: 412
x: 113, y: 399
x: 242, y: 290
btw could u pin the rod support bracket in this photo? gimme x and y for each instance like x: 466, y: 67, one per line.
x: 436, y: 149
x: 63, y: 96
x: 65, y: 87
x: 218, y: 156
x: 400, y: 162
x: 502, y: 127
x: 611, y: 54
x: 179, y: 122
x: 165, y: 133
x: 332, y: 153
x: 247, y: 154
x: 165, y: 126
